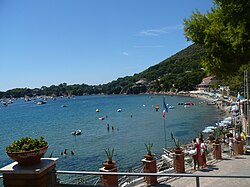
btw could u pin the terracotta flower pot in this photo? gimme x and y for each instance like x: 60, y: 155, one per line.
x: 28, y: 157
x: 108, y: 165
x: 178, y: 151
x: 149, y: 156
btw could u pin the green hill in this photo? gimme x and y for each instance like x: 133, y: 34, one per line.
x: 182, y: 71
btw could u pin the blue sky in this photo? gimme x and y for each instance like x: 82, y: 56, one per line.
x: 46, y: 42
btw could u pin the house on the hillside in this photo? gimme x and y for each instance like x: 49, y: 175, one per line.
x: 207, y: 82
x: 141, y: 82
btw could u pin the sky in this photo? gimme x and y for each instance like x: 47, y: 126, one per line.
x: 48, y: 42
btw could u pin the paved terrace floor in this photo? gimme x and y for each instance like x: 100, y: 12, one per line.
x: 240, y: 165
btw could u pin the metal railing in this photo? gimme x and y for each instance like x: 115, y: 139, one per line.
x: 196, y: 176
x: 163, y: 166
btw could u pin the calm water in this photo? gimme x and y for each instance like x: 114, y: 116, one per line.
x: 56, y: 123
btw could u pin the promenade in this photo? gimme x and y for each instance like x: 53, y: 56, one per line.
x: 240, y: 165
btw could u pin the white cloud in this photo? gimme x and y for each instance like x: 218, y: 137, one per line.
x: 148, y: 46
x: 158, y: 32
x: 125, y: 53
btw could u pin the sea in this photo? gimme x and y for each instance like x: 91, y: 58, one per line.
x: 137, y: 124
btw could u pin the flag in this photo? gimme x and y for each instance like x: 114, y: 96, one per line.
x: 164, y: 113
x: 165, y: 106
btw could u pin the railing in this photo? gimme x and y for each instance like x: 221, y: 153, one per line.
x: 1, y: 180
x: 164, y: 165
x: 196, y: 176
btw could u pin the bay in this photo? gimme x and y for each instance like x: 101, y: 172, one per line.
x: 137, y: 123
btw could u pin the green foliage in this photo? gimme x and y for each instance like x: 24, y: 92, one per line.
x: 224, y: 34
x: 149, y: 147
x: 181, y: 71
x: 26, y: 144
x: 109, y: 154
x: 176, y: 141
x: 218, y: 132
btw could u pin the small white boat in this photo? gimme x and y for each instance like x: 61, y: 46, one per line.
x: 77, y: 132
x: 102, y: 118
x: 119, y: 110
x: 171, y: 107
x: 41, y: 102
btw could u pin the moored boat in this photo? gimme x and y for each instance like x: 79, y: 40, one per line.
x: 41, y: 102
x: 77, y: 132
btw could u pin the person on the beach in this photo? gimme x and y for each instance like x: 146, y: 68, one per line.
x: 231, y: 147
x: 196, y: 156
x: 203, y: 147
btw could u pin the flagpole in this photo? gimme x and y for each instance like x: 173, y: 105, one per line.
x: 165, y: 133
x: 164, y: 121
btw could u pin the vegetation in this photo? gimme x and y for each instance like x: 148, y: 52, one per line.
x: 221, y: 47
x: 182, y: 71
x: 149, y: 148
x: 176, y: 142
x: 26, y: 144
x: 109, y: 155
x: 224, y: 35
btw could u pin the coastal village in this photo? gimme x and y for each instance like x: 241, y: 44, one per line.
x: 227, y: 148
x: 213, y: 70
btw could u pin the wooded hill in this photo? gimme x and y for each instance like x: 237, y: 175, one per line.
x: 180, y: 72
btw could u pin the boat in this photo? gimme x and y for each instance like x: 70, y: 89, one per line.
x: 41, y: 102
x: 119, y: 110
x: 4, y: 104
x: 77, y: 132
x: 97, y: 110
x: 171, y: 107
x: 101, y: 118
x: 211, y: 103
x: 189, y: 103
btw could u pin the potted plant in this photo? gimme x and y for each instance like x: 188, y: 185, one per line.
x: 179, y: 162
x: 177, y: 148
x: 109, y: 163
x: 149, y: 165
x: 149, y: 155
x: 27, y: 151
x: 109, y: 166
x: 217, y: 134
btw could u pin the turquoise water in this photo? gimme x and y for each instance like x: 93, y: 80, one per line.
x: 56, y: 123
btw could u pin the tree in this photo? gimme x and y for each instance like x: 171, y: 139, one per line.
x: 224, y: 33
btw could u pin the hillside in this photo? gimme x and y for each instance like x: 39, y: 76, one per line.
x: 181, y: 71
